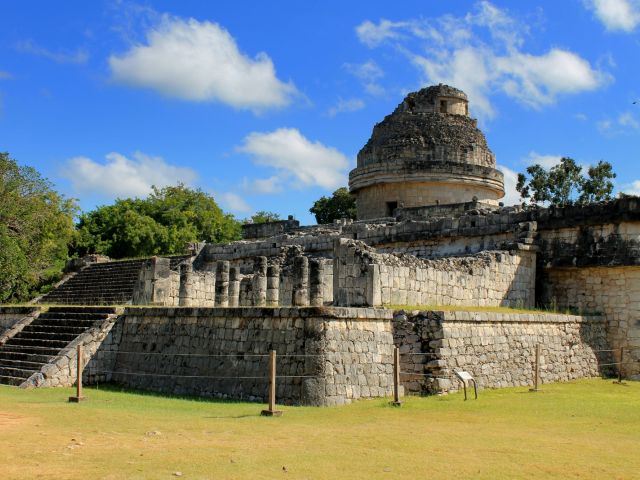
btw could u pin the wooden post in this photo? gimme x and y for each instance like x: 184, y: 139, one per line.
x: 78, y: 398
x: 536, y: 369
x: 620, y: 367
x: 272, y: 412
x: 396, y: 377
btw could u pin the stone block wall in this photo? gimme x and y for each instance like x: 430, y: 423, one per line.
x: 10, y: 315
x: 612, y: 291
x: 498, y: 349
x: 325, y: 356
x: 366, y: 278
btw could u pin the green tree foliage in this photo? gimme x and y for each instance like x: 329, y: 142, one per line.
x: 341, y: 204
x: 163, y: 223
x: 263, y: 217
x: 564, y: 184
x: 36, y: 225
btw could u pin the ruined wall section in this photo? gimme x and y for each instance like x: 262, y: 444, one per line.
x: 612, y: 291
x: 363, y: 277
x: 498, y: 349
x: 325, y: 357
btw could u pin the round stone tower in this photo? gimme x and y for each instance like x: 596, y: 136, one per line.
x: 427, y: 152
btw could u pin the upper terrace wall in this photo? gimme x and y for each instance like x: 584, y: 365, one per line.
x: 365, y: 278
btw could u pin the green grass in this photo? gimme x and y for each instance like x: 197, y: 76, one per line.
x: 584, y: 429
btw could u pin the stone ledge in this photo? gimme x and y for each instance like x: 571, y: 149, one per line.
x: 302, y: 312
x: 495, y: 317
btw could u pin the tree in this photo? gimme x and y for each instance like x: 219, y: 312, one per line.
x: 163, y: 223
x: 36, y: 225
x: 341, y: 204
x: 564, y: 184
x: 263, y: 217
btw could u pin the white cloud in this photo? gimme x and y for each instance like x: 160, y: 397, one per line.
x: 627, y: 119
x: 296, y: 157
x: 368, y: 73
x: 120, y: 176
x: 581, y: 116
x: 511, y: 195
x: 626, y: 122
x: 547, y: 161
x: 617, y: 15
x: 200, y: 61
x: 234, y: 202
x: 345, y: 106
x: 632, y: 189
x: 373, y: 35
x: 79, y: 56
x: 263, y: 185
x: 452, y: 50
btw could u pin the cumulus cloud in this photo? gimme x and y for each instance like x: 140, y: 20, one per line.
x: 625, y: 122
x: 234, y: 202
x: 453, y: 50
x: 346, y: 106
x: 263, y: 185
x: 547, y: 161
x: 368, y: 73
x: 616, y: 15
x: 632, y: 188
x: 372, y: 34
x: 120, y: 176
x: 304, y: 162
x: 200, y: 61
x: 511, y: 195
x: 78, y: 56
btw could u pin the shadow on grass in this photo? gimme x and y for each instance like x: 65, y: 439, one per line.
x: 115, y: 388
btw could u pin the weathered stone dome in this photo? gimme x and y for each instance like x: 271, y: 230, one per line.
x: 427, y: 152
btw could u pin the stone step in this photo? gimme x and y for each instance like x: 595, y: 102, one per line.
x: 16, y: 372
x: 75, y: 315
x: 32, y: 342
x: 65, y: 322
x: 23, y: 364
x: 11, y: 381
x: 35, y: 335
x: 36, y: 356
x: 49, y: 328
x: 81, y: 310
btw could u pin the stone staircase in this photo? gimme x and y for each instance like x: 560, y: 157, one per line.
x: 41, y: 341
x: 108, y: 283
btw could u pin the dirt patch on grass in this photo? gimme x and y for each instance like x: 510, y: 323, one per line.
x: 10, y: 420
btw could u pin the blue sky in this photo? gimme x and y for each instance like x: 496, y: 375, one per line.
x: 266, y: 104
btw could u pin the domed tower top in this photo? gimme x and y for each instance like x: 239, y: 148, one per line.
x: 437, y: 99
x: 427, y: 152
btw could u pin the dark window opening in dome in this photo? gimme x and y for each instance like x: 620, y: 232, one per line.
x: 443, y: 106
x: 466, y: 109
x: 391, y: 206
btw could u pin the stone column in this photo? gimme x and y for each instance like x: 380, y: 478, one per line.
x: 316, y: 286
x: 222, y: 283
x: 259, y: 284
x: 273, y: 285
x: 186, y: 292
x: 301, y: 281
x: 234, y: 286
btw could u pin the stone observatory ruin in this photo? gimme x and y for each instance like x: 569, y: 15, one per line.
x: 427, y: 153
x: 335, y: 300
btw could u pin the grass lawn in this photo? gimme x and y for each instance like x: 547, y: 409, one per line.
x: 585, y: 429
